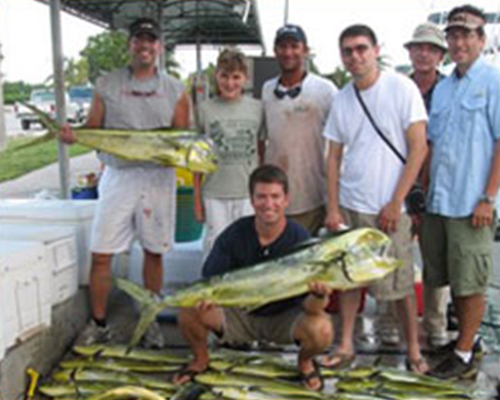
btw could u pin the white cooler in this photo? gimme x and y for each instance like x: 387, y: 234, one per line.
x: 181, y: 266
x: 60, y: 252
x: 70, y: 213
x: 24, y: 290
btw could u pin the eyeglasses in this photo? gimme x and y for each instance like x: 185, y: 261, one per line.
x: 292, y: 93
x: 349, y: 51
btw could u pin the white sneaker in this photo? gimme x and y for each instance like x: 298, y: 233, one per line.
x: 153, y: 339
x: 93, y: 334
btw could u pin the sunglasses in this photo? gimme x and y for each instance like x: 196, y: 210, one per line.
x: 349, y: 51
x: 292, y: 93
x: 137, y: 93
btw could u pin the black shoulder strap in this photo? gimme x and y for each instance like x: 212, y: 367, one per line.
x: 377, y: 129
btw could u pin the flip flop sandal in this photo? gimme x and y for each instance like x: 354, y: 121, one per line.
x: 306, y: 378
x: 416, y: 365
x: 343, y: 361
x: 189, y: 373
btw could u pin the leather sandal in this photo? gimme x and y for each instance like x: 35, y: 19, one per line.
x: 338, y: 361
x: 307, y: 377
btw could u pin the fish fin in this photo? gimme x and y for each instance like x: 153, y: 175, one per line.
x: 302, y: 245
x: 144, y: 296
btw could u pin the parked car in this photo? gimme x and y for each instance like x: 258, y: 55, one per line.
x: 45, y: 100
x: 82, y: 96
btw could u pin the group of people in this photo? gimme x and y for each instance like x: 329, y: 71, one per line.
x: 309, y: 156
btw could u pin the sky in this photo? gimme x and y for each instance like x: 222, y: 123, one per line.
x: 26, y: 39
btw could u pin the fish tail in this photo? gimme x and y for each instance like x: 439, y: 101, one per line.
x: 47, y: 122
x: 148, y: 315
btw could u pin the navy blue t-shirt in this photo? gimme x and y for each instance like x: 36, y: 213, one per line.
x: 239, y: 247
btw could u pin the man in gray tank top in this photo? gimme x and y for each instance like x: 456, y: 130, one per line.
x: 136, y: 199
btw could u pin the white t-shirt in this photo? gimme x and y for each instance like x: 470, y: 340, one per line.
x: 294, y: 128
x: 370, y: 169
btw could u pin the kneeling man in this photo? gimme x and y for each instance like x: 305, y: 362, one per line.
x: 251, y: 240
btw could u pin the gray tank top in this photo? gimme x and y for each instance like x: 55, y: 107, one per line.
x: 136, y: 104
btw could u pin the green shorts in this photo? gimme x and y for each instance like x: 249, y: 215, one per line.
x: 456, y: 254
x: 241, y: 328
x: 398, y: 284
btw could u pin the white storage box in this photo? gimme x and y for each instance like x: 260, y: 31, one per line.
x: 181, y: 266
x: 60, y: 253
x: 3, y: 323
x: 75, y: 213
x: 25, y: 288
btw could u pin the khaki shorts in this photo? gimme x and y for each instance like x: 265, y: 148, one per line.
x: 312, y: 220
x: 400, y: 283
x: 240, y: 327
x: 456, y: 254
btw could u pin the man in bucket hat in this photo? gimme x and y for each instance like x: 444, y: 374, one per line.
x: 426, y: 49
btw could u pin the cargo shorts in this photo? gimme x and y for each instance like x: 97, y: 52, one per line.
x: 456, y: 254
x: 400, y: 283
x: 243, y: 328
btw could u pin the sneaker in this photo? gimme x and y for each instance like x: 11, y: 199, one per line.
x: 153, y: 339
x: 93, y: 334
x: 477, y: 349
x: 453, y: 367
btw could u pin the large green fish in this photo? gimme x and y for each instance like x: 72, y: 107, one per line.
x: 117, y: 365
x: 118, y: 351
x: 239, y: 393
x: 127, y: 393
x: 168, y: 147
x: 343, y: 262
x: 88, y: 375
x: 274, y: 386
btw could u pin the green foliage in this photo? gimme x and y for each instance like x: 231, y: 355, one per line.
x: 75, y: 73
x: 340, y: 77
x: 105, y: 52
x: 17, y: 91
x: 171, y: 64
x: 17, y: 163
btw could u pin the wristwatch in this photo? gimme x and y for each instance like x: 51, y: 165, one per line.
x: 487, y: 199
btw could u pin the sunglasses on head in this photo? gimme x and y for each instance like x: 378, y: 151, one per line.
x: 349, y: 51
x: 137, y: 93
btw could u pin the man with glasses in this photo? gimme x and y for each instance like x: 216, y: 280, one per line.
x: 375, y: 116
x: 296, y: 105
x: 135, y: 199
x: 457, y: 232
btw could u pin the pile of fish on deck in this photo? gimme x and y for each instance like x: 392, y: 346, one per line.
x: 351, y: 260
x: 110, y: 373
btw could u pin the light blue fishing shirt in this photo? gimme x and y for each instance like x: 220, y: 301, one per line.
x: 464, y: 125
